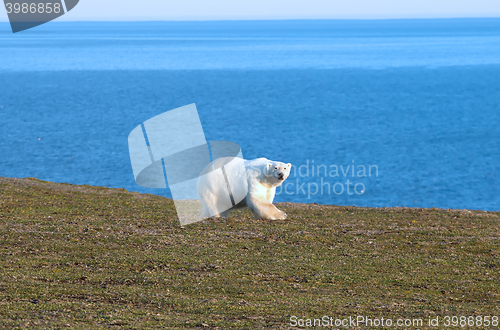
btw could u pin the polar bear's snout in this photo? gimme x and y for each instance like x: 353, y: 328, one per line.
x: 282, y: 175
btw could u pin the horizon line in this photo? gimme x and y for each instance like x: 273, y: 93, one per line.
x: 270, y: 19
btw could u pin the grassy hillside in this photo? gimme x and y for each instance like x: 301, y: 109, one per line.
x: 89, y: 257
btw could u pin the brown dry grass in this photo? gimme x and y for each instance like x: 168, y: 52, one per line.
x: 90, y: 257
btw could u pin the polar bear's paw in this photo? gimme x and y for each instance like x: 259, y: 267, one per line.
x: 281, y: 216
x: 272, y: 213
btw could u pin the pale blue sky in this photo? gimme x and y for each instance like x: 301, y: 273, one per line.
x: 277, y: 9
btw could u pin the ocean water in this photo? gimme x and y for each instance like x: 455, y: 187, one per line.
x: 370, y: 113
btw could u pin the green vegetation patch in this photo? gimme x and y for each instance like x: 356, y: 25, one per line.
x: 91, y: 257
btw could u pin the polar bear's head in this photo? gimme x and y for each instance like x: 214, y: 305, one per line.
x: 277, y: 172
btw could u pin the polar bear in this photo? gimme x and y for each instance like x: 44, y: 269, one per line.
x: 232, y: 183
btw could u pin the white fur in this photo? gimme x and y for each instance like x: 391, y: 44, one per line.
x: 257, y: 178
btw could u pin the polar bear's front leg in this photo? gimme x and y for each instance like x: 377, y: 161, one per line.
x: 262, y: 209
x: 271, y: 192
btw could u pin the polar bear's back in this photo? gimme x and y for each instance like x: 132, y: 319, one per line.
x: 257, y: 163
x: 223, y: 173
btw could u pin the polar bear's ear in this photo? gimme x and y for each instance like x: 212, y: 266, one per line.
x: 289, y: 165
x: 268, y: 169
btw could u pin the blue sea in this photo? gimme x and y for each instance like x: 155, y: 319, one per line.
x: 369, y: 112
